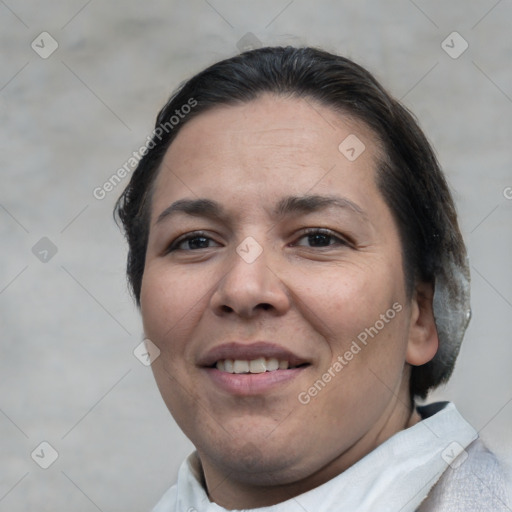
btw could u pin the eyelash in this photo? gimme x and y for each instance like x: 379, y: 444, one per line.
x: 307, y: 232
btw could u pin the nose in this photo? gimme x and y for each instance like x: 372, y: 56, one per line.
x: 247, y: 287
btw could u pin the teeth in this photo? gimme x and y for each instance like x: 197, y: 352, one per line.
x: 259, y: 365
x: 240, y: 366
x: 272, y: 364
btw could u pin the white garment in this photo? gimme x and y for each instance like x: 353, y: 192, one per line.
x: 395, y: 477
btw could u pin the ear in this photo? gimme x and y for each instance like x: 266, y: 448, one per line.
x: 423, y: 340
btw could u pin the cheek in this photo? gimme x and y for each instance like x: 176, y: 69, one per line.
x: 154, y: 302
x: 361, y: 313
x: 351, y: 300
x: 169, y: 301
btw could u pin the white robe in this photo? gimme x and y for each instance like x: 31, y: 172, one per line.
x: 438, y: 465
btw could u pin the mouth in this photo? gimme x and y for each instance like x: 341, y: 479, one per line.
x: 259, y: 365
x: 248, y: 369
x: 257, y: 357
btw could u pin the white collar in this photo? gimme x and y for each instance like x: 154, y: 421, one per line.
x: 397, y: 475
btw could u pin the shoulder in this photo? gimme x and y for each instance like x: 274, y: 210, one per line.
x: 476, y: 480
x: 167, y: 502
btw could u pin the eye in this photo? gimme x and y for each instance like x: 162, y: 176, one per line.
x: 195, y: 240
x: 321, y: 237
x: 317, y: 237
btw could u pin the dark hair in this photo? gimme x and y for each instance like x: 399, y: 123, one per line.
x: 408, y: 174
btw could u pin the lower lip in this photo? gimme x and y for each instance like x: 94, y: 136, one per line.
x: 246, y: 384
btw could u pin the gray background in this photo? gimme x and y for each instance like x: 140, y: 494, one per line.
x: 68, y: 326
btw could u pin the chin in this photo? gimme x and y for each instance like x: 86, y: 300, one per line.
x: 254, y: 459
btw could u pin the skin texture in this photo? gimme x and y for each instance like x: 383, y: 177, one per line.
x: 311, y: 297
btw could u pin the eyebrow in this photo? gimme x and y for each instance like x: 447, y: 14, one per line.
x: 285, y: 207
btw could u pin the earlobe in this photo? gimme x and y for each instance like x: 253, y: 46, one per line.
x: 423, y: 339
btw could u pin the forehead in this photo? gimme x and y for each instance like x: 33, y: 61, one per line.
x: 269, y: 147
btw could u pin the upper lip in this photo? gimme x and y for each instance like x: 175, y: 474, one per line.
x: 248, y: 352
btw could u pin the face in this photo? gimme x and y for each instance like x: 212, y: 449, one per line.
x: 290, y: 272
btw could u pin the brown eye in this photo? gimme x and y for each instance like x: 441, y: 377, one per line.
x: 322, y: 238
x: 191, y: 242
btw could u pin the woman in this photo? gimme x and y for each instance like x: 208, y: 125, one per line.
x: 295, y: 254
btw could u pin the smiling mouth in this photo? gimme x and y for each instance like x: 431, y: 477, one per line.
x: 259, y: 365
